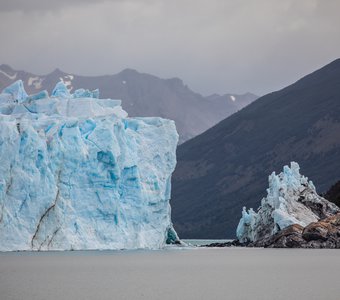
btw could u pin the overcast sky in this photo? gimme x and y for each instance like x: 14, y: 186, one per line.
x: 215, y: 46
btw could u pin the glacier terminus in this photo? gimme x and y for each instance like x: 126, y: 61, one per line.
x: 77, y: 173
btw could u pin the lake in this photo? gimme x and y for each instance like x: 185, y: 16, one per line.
x: 173, y: 273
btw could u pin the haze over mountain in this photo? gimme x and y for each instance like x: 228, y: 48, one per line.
x: 143, y: 95
x: 227, y: 167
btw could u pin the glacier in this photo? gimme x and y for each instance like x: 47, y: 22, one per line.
x: 77, y: 173
x: 291, y: 199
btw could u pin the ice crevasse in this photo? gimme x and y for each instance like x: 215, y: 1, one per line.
x: 77, y: 173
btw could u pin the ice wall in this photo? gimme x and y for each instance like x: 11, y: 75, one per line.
x: 77, y: 173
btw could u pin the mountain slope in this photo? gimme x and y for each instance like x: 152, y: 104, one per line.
x: 143, y: 95
x: 227, y: 167
x: 333, y: 194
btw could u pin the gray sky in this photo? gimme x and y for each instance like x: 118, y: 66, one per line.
x: 214, y: 46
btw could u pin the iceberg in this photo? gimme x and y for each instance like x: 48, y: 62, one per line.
x: 77, y: 173
x: 291, y: 200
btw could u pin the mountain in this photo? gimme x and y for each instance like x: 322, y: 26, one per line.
x: 143, y: 95
x: 333, y: 194
x: 227, y: 167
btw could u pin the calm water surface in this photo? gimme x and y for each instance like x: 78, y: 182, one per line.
x: 201, y: 273
x: 203, y: 242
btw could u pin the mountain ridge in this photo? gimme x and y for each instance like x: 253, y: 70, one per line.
x: 226, y: 167
x: 143, y: 95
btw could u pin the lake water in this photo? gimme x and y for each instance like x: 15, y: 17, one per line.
x: 174, y: 273
x: 203, y: 242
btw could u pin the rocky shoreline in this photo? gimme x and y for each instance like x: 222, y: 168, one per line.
x: 322, y: 234
x: 317, y: 235
x: 292, y: 215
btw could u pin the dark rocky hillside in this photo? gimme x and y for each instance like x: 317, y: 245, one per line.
x: 227, y: 167
x: 333, y: 194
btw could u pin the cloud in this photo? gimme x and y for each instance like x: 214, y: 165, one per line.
x: 214, y: 46
x: 41, y: 5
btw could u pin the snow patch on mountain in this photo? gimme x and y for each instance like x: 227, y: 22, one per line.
x: 11, y: 77
x: 35, y: 81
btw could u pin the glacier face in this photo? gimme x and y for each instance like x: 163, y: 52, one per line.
x: 77, y: 173
x: 291, y: 199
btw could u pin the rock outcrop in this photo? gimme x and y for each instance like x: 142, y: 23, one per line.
x: 321, y: 234
x: 292, y: 215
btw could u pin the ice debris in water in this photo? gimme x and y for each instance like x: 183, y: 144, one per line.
x: 77, y: 173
